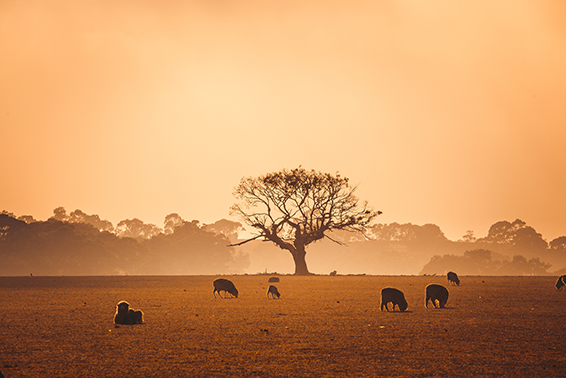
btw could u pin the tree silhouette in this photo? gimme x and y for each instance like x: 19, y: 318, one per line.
x: 428, y: 234
x: 468, y: 237
x: 60, y: 214
x: 515, y: 236
x: 521, y: 266
x: 294, y: 208
x: 137, y: 229
x: 171, y: 222
x: 78, y: 216
x: 558, y: 244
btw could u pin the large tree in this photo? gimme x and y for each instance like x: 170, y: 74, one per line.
x: 517, y: 236
x: 293, y: 208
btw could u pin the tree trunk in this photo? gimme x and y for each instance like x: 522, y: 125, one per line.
x: 300, y: 262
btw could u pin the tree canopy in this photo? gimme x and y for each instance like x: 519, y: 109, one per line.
x: 516, y: 234
x: 294, y: 208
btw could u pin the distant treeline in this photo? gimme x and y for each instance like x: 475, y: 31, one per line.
x: 82, y: 244
x: 510, y: 248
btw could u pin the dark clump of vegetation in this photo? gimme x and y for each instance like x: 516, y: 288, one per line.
x: 79, y: 244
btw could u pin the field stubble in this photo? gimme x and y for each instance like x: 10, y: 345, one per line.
x: 321, y: 326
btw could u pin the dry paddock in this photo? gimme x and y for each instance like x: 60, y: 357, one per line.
x: 321, y: 327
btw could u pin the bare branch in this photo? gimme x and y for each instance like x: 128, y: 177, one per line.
x: 245, y: 241
x: 335, y: 241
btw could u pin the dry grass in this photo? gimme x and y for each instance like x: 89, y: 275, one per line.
x: 321, y: 327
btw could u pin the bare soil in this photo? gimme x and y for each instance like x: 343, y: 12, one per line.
x: 321, y: 327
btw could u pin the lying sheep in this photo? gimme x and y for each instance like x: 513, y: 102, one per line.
x: 273, y: 291
x: 224, y: 285
x: 125, y: 315
x: 435, y: 293
x: 453, y: 278
x: 560, y: 282
x: 396, y: 297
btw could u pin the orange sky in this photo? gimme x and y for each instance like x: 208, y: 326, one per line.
x: 452, y: 113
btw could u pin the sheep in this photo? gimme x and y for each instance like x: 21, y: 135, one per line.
x: 560, y: 282
x: 273, y: 279
x: 453, y: 278
x: 226, y: 286
x: 125, y: 315
x: 435, y: 293
x: 273, y: 291
x: 395, y: 296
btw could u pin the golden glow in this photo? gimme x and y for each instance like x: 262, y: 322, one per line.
x: 444, y: 113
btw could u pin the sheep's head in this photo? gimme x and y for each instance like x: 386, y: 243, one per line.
x: 123, y: 307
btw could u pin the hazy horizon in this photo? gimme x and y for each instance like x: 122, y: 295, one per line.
x: 443, y: 113
x: 243, y: 234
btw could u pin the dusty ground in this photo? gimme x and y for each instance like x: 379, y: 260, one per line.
x: 321, y: 327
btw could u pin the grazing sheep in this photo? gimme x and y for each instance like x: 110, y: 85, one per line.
x: 226, y: 286
x: 560, y: 282
x: 273, y: 279
x: 125, y: 315
x: 273, y: 291
x: 435, y: 293
x: 396, y: 297
x: 453, y: 278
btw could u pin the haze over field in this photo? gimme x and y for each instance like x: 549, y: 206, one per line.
x: 444, y: 113
x: 75, y: 244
